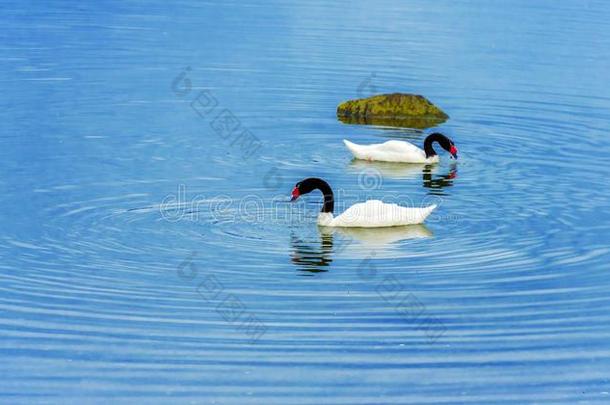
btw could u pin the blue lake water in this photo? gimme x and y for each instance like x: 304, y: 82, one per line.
x: 148, y: 251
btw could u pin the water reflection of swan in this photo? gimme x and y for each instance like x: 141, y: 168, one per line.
x: 380, y: 237
x: 436, y: 185
x: 312, y: 258
x: 430, y: 179
x: 389, y: 170
x: 315, y: 256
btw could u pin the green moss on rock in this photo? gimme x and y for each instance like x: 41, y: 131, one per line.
x: 397, y: 109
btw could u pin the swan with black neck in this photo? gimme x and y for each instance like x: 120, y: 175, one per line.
x: 369, y: 214
x: 403, y: 152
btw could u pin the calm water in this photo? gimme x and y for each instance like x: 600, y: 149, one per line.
x: 145, y: 255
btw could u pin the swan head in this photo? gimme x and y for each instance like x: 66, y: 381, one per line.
x: 306, y: 186
x: 453, y: 150
x: 442, y: 140
x: 296, y: 192
x: 310, y: 184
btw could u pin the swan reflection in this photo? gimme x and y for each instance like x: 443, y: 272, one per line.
x: 380, y: 237
x: 388, y: 169
x: 430, y: 179
x: 314, y: 255
x: 436, y: 183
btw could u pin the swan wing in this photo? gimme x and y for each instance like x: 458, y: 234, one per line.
x: 375, y: 214
x: 390, y: 151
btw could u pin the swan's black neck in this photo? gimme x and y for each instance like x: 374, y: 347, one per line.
x: 312, y: 183
x: 436, y: 137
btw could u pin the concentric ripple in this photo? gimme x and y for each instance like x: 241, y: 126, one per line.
x: 146, y: 254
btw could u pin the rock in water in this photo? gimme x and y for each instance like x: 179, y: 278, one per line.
x: 396, y: 110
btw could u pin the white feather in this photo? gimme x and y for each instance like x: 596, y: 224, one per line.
x: 375, y: 214
x: 390, y: 151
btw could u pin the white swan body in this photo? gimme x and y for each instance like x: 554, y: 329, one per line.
x: 376, y: 214
x: 390, y: 151
x: 370, y: 214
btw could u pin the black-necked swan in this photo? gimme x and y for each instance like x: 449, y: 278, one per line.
x: 401, y: 151
x: 369, y: 214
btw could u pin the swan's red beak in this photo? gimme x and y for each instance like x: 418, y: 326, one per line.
x: 295, y: 194
x: 453, y: 151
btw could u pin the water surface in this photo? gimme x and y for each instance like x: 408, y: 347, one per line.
x: 149, y: 252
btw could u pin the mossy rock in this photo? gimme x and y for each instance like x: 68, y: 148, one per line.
x: 396, y: 110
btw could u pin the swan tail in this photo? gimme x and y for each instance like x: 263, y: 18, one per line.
x: 427, y: 211
x: 353, y: 148
x: 415, y: 216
